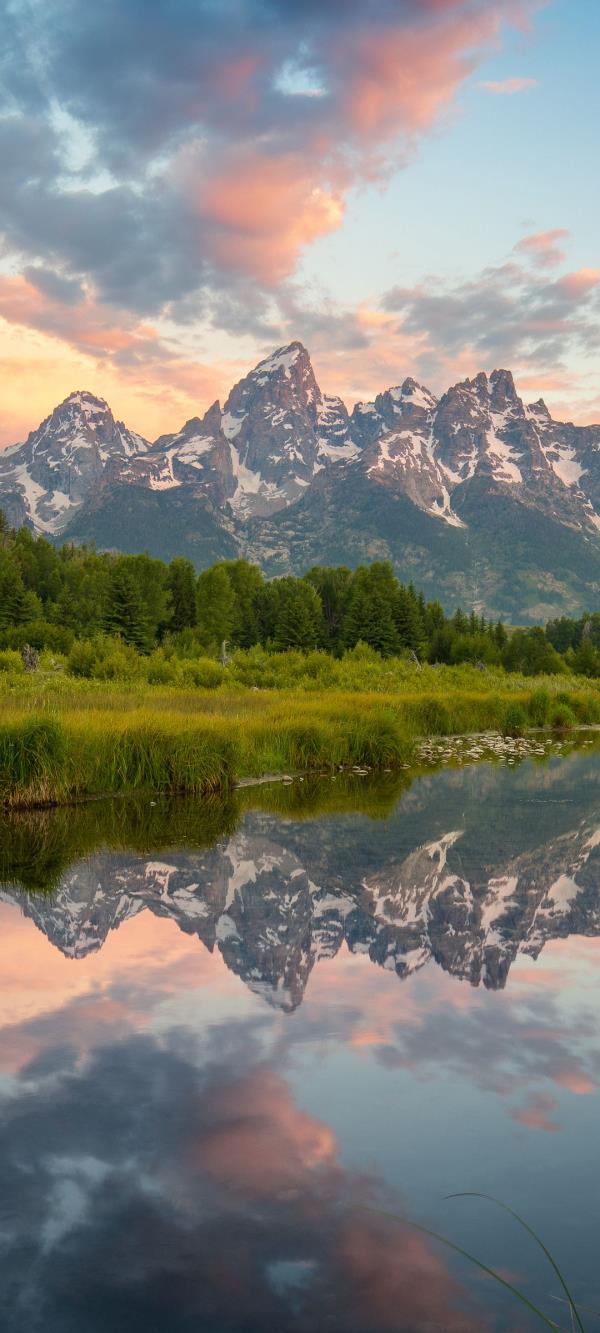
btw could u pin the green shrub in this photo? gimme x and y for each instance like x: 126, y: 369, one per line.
x: 539, y: 707
x: 40, y: 634
x: 11, y: 661
x: 515, y: 721
x: 586, y: 707
x: 121, y: 663
x: 562, y: 717
x: 160, y: 670
x: 82, y: 660
x: 204, y: 673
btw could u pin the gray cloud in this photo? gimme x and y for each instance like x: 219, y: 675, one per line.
x: 148, y: 82
x: 505, y: 314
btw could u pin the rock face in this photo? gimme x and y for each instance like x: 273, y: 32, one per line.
x: 476, y: 495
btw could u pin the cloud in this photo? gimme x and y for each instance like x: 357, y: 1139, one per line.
x: 507, y: 87
x: 174, y: 1192
x: 542, y: 247
x: 507, y: 315
x: 196, y: 163
x: 537, y: 1113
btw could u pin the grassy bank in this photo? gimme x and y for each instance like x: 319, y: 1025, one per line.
x: 63, y: 739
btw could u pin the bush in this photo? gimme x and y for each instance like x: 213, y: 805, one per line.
x: 160, y: 670
x: 82, y: 660
x: 515, y: 721
x: 562, y: 717
x: 539, y: 707
x: 40, y: 634
x: 11, y: 661
x: 121, y: 663
x: 204, y: 673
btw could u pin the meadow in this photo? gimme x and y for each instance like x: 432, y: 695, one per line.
x: 66, y: 737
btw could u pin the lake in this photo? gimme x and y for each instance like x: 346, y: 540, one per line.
x: 244, y: 1046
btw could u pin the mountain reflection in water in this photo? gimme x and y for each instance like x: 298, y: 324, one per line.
x: 212, y: 1088
x: 473, y: 867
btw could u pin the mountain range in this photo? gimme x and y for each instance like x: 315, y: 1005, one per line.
x: 479, y: 498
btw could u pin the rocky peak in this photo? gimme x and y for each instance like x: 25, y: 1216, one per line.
x: 502, y: 391
x: 74, y: 451
x: 409, y: 401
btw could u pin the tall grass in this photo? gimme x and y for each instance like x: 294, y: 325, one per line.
x: 74, y: 739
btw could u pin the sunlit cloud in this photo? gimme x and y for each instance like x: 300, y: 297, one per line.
x: 543, y: 248
x: 508, y: 87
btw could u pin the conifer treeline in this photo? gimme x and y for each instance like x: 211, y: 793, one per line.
x: 50, y: 597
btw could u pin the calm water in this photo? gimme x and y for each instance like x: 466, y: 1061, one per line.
x: 230, y: 1037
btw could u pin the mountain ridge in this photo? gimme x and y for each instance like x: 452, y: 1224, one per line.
x: 400, y: 475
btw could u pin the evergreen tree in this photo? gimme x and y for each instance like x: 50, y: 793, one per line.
x: 247, y: 583
x: 411, y: 631
x: 125, y: 614
x: 332, y: 586
x: 181, y: 587
x: 215, y: 603
x: 299, y: 620
x: 13, y: 601
x: 370, y: 611
x: 586, y: 661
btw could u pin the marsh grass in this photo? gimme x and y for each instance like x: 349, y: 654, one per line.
x: 70, y: 739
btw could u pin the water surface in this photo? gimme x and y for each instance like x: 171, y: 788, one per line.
x: 233, y: 1039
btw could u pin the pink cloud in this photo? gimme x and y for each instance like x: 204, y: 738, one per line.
x: 507, y: 87
x: 536, y: 1113
x: 260, y: 202
x: 399, y: 81
x: 542, y: 247
x: 576, y: 1082
x: 260, y: 209
x: 576, y: 285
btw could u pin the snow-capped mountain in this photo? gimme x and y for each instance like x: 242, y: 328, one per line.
x: 261, y: 451
x: 77, y: 450
x: 477, y: 495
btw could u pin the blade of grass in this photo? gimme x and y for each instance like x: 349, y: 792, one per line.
x: 474, y: 1194
x: 458, y: 1249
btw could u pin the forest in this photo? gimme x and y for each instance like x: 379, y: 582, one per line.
x: 98, y: 611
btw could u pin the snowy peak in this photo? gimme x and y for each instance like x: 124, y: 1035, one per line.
x: 260, y: 453
x: 278, y: 435
x: 65, y: 462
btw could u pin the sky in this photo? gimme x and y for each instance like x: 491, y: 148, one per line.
x: 408, y: 186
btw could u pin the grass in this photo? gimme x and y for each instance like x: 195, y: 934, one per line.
x: 567, y: 1298
x: 64, y: 739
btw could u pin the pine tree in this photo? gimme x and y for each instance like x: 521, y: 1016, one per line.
x: 299, y: 622
x: 215, y: 602
x: 247, y: 582
x: 181, y: 585
x: 411, y: 631
x: 125, y: 614
x: 370, y: 612
x: 586, y: 661
x: 13, y: 598
x: 500, y: 635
